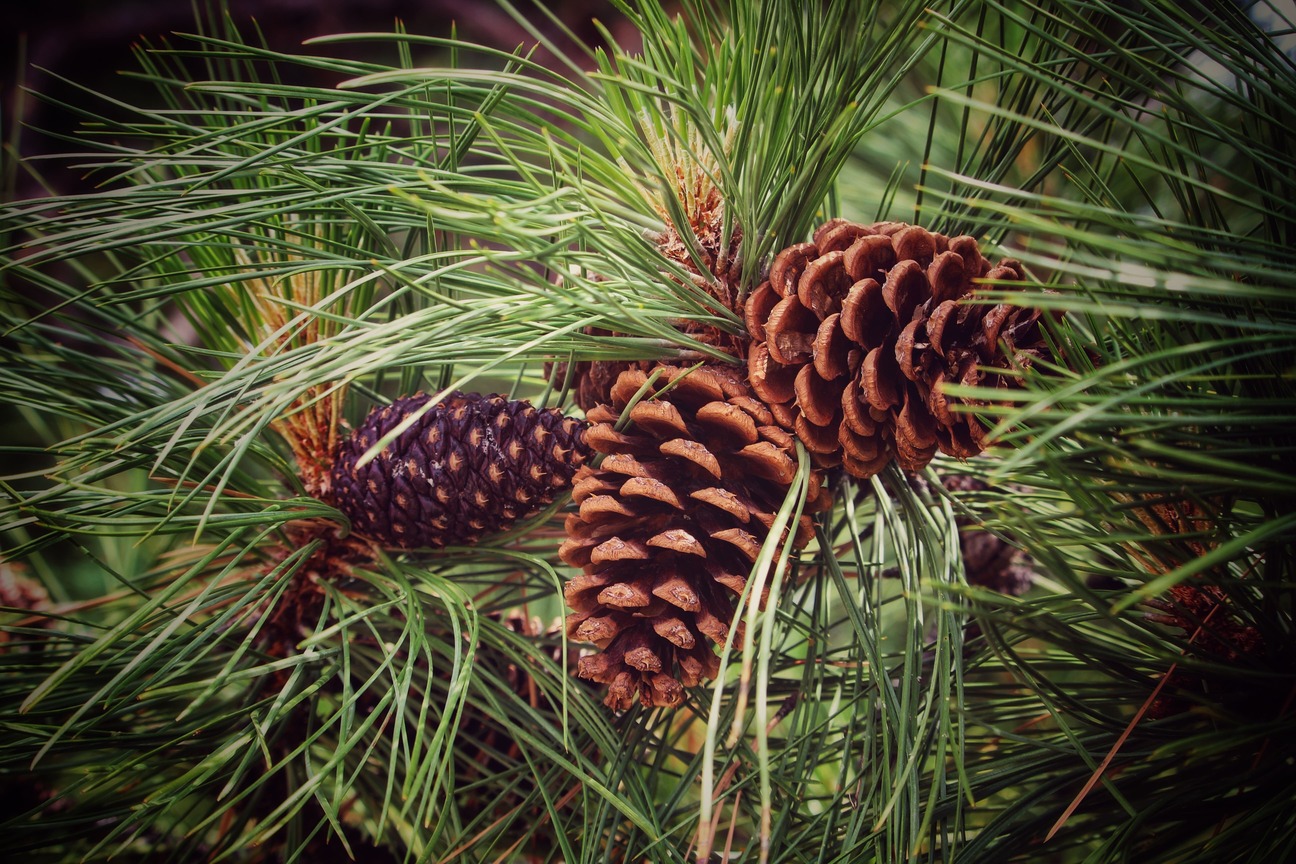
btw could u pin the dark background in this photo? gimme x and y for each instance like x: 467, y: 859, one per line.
x: 90, y: 42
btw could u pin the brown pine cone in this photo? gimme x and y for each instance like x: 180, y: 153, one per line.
x: 468, y: 466
x: 988, y: 560
x: 856, y: 333
x: 18, y: 590
x: 669, y: 526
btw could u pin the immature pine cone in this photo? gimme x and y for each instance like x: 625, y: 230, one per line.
x: 856, y: 333
x: 468, y: 466
x: 669, y: 526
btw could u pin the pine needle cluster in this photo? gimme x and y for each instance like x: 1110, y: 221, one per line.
x: 201, y: 661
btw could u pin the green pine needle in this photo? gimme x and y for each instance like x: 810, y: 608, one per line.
x: 215, y: 667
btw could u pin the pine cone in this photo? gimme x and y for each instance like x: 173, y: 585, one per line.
x: 669, y: 526
x: 18, y: 590
x: 856, y: 333
x: 468, y: 466
x: 988, y: 559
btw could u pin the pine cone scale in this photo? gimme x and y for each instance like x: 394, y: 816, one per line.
x: 785, y: 272
x: 862, y: 316
x: 823, y: 283
x: 788, y: 326
x: 772, y: 381
x: 819, y: 400
x: 832, y: 350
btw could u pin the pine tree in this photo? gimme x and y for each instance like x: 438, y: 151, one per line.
x: 292, y: 316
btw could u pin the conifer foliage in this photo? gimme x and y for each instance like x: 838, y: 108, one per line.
x: 898, y: 423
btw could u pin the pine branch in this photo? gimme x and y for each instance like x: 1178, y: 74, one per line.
x: 214, y: 663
